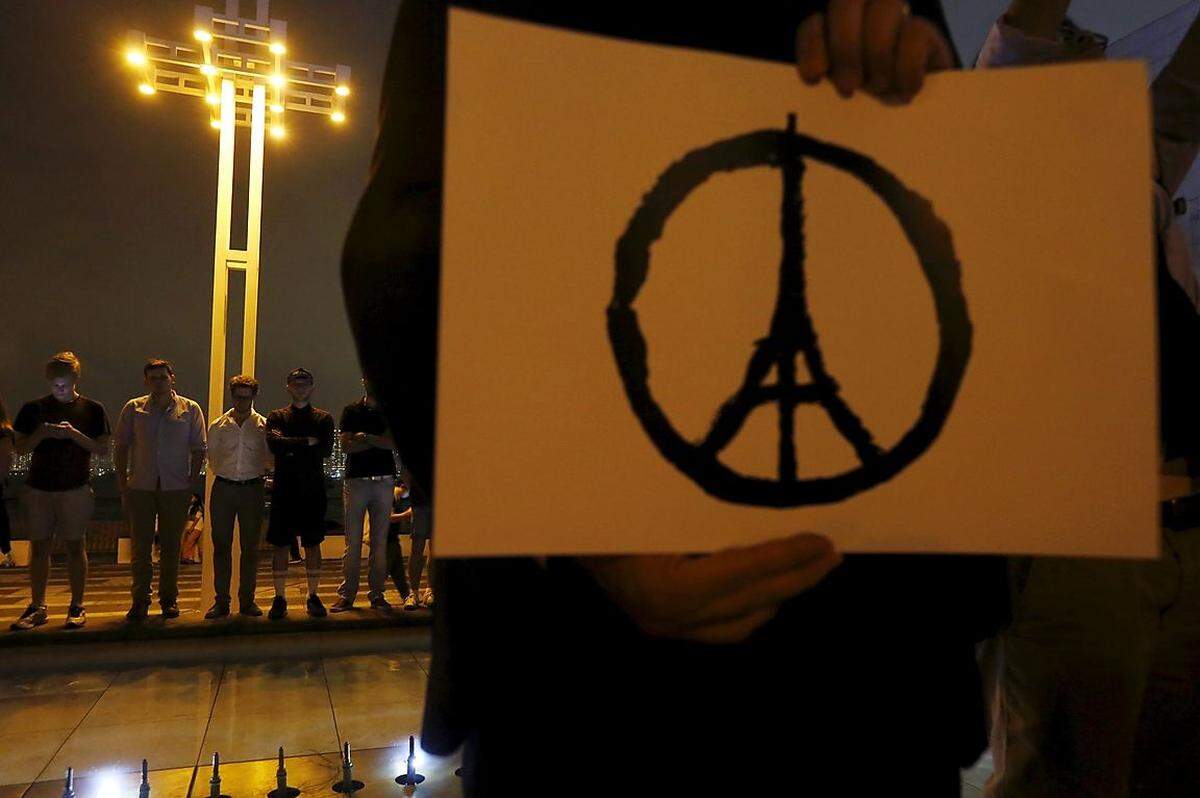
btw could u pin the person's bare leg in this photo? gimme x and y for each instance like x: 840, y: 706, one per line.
x: 77, y: 568
x: 279, y: 567
x: 312, y: 567
x: 39, y: 570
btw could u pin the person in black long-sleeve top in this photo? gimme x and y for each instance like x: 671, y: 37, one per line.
x: 300, y: 437
x: 660, y: 675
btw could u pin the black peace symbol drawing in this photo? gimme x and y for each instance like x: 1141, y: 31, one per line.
x: 791, y: 333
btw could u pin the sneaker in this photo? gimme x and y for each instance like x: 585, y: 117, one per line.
x: 7, y: 561
x: 427, y: 598
x: 278, y: 609
x: 412, y: 602
x: 251, y: 609
x: 315, y: 608
x: 34, y: 615
x: 341, y: 605
x: 170, y: 611
x: 295, y: 561
x: 380, y: 603
x: 219, y: 609
x: 76, y: 616
x: 138, y: 611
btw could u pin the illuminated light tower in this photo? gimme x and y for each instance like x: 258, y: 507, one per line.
x: 238, y: 67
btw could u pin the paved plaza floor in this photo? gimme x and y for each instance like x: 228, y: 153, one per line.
x: 103, y: 723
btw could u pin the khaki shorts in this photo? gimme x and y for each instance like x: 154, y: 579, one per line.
x: 58, y: 514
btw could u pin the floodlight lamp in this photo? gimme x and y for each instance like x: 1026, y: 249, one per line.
x: 214, y: 124
x: 277, y: 131
x: 278, y: 48
x: 135, y: 58
x: 338, y: 116
x: 277, y: 81
x: 276, y: 108
x: 145, y: 88
x: 202, y: 35
x: 208, y: 69
x: 212, y: 99
x: 342, y: 91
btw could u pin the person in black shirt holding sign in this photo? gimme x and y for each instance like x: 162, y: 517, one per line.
x: 300, y: 437
x: 62, y: 430
x: 367, y: 490
x: 769, y: 669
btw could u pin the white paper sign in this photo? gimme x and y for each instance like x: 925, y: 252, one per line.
x: 688, y: 303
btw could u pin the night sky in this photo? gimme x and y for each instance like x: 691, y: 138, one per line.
x: 110, y: 202
x: 109, y: 197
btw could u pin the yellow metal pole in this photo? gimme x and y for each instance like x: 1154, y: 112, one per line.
x: 216, y: 369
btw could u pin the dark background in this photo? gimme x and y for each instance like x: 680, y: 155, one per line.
x: 109, y: 203
x: 106, y: 229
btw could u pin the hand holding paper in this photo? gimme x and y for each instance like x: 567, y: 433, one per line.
x: 714, y: 598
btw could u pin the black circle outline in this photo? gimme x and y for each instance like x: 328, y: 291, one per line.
x: 933, y: 244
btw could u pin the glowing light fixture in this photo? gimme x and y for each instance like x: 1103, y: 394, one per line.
x: 277, y: 81
x: 276, y: 108
x: 212, y: 99
x: 215, y: 124
x: 208, y: 69
x: 338, y: 116
x: 277, y: 131
x: 202, y: 35
x: 145, y: 88
x: 278, y: 48
x: 342, y: 91
x: 135, y: 58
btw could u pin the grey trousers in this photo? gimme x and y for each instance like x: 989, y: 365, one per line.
x: 245, y: 504
x: 1096, y: 689
x: 169, y: 507
x: 373, y: 499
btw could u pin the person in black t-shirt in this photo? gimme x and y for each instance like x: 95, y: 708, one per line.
x: 796, y: 659
x: 367, y: 490
x: 62, y: 430
x: 300, y: 437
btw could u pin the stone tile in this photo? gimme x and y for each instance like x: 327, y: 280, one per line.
x: 118, y: 706
x: 266, y: 696
x: 243, y: 736
x: 24, y: 755
x: 55, y: 683
x: 199, y: 677
x: 168, y: 743
x: 387, y: 687
x: 286, y: 671
x: 379, y: 726
x: 173, y: 783
x: 46, y: 711
x: 312, y: 775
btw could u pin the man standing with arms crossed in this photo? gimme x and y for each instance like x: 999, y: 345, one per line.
x: 367, y: 490
x: 300, y: 437
x: 62, y: 430
x: 159, y: 453
x: 238, y: 456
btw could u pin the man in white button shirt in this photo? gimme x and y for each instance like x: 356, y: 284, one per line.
x: 238, y: 456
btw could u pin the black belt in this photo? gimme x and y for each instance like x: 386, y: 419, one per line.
x: 240, y: 482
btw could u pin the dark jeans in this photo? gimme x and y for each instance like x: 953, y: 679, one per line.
x: 395, y: 563
x: 245, y: 504
x: 169, y: 507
